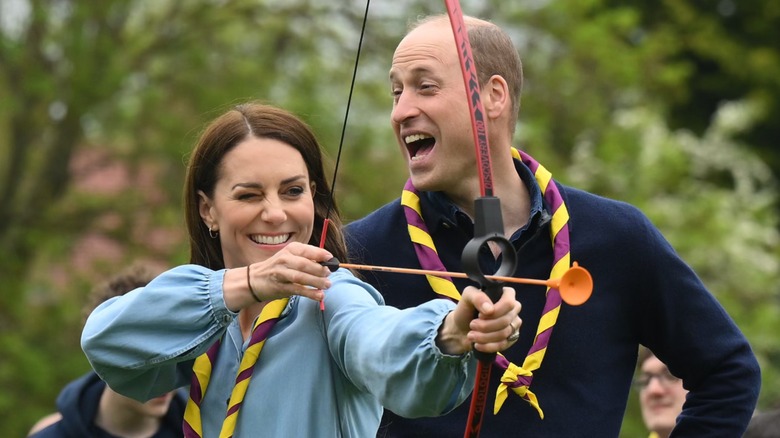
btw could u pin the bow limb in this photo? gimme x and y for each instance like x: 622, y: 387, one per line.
x: 488, y: 224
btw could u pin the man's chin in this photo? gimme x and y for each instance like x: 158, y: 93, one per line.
x: 661, y: 425
x: 423, y: 182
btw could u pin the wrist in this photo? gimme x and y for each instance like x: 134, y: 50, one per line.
x: 450, y: 339
x: 249, y: 285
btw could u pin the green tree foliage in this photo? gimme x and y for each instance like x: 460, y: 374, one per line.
x: 728, y: 49
x: 715, y: 204
x: 100, y: 101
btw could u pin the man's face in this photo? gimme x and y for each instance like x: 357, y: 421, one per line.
x: 154, y: 408
x: 662, y: 397
x: 430, y: 114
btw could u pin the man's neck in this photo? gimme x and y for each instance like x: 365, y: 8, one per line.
x: 509, y: 188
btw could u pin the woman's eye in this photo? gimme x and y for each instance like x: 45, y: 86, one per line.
x: 246, y: 196
x: 295, y: 191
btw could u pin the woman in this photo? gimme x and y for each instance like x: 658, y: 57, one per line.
x: 256, y: 197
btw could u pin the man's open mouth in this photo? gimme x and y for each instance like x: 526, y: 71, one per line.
x: 419, y: 145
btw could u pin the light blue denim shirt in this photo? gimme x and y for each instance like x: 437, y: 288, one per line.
x: 320, y: 374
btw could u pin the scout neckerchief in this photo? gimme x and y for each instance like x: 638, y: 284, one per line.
x: 516, y: 378
x: 204, y: 364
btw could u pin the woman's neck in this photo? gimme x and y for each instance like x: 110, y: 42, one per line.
x: 247, y: 316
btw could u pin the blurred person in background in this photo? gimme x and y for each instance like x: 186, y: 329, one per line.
x: 87, y: 407
x: 661, y: 395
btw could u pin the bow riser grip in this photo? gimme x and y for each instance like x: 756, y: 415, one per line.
x: 487, y: 216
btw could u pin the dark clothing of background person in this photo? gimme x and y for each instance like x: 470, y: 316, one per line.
x: 78, y: 403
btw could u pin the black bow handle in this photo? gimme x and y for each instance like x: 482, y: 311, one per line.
x: 488, y: 227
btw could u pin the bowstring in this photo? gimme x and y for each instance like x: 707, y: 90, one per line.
x: 331, y: 201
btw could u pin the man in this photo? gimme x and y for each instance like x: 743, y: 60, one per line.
x: 661, y: 395
x: 88, y: 408
x: 644, y: 293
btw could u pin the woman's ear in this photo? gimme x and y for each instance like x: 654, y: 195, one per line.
x: 495, y: 96
x: 313, y: 186
x: 205, y: 208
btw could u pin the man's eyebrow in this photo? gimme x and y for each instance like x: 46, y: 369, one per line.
x: 416, y: 72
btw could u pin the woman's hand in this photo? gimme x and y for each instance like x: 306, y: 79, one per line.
x: 294, y: 270
x: 495, y: 328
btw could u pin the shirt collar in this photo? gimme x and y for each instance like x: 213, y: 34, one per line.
x: 439, y: 210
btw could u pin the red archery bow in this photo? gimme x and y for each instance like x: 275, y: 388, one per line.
x: 488, y: 225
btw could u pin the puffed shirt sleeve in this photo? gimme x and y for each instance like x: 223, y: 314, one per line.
x: 392, y: 353
x: 144, y: 343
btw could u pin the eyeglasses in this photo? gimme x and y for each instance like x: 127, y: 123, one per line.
x: 666, y: 379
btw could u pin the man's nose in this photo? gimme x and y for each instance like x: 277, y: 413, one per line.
x: 404, y: 108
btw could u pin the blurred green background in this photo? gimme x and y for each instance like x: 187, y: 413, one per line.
x: 672, y: 105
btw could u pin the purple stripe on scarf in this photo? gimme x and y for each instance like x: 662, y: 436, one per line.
x: 552, y: 196
x: 261, y: 331
x: 189, y: 432
x: 234, y: 408
x: 562, y: 245
x: 541, y: 341
x: 429, y: 259
x: 196, y: 392
x: 529, y: 161
x: 247, y: 373
x: 521, y: 381
x: 213, y: 351
x: 553, y: 300
x: 501, y: 361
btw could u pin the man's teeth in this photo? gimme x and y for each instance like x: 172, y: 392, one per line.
x: 415, y: 137
x: 270, y: 240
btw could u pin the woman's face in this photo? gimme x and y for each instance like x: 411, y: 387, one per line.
x: 263, y: 200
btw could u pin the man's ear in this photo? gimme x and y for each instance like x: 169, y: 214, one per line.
x: 495, y: 96
x: 205, y: 208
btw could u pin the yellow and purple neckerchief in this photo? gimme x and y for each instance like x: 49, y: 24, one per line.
x: 516, y: 378
x: 204, y: 364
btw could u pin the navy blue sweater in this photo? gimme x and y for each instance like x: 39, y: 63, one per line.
x: 643, y: 294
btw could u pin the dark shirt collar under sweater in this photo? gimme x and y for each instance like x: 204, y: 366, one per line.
x: 441, y: 211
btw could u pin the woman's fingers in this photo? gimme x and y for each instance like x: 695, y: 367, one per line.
x: 292, y: 271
